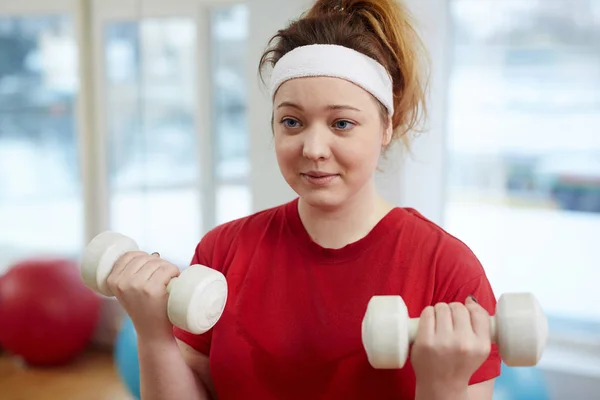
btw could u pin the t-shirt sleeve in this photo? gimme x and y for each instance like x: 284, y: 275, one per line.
x: 480, y: 288
x: 203, y: 255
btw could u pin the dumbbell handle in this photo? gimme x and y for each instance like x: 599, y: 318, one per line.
x: 413, y: 326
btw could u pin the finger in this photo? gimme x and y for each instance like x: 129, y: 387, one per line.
x: 461, y: 320
x: 426, y: 328
x: 121, y: 265
x: 137, y: 264
x: 156, y: 253
x: 154, y: 278
x: 164, y: 273
x: 144, y: 269
x: 443, y: 320
x: 480, y: 318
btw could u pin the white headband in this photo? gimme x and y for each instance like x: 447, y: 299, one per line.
x: 338, y: 62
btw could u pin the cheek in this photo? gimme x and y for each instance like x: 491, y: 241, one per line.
x: 286, y: 152
x: 362, y: 156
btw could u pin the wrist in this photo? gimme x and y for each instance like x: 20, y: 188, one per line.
x: 437, y: 390
x: 155, y: 337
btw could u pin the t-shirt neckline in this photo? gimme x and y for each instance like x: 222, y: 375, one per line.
x: 312, y: 249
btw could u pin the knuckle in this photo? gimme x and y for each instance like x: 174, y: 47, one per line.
x: 441, y: 307
x: 138, y: 285
x: 113, y: 286
x: 465, y: 348
x: 121, y: 286
x: 426, y: 344
x: 171, y: 269
x: 486, y: 346
x: 483, y: 352
x: 446, y: 346
x: 427, y: 312
x: 151, y: 291
x: 111, y: 280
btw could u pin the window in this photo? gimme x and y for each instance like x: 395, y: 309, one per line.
x: 151, y: 133
x: 524, y: 147
x: 41, y: 207
x: 229, y: 34
x: 173, y: 101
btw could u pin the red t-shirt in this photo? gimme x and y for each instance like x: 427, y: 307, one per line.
x: 291, y: 328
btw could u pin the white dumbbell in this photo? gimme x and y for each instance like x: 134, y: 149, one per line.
x: 519, y: 328
x: 197, y: 296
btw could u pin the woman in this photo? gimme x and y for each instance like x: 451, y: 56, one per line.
x: 345, y: 85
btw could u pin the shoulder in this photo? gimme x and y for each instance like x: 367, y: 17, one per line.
x: 221, y: 241
x: 432, y: 236
x: 251, y: 224
x: 449, y: 262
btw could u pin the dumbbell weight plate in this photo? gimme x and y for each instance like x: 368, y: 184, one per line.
x: 385, y: 332
x: 521, y: 329
x: 100, y: 256
x: 197, y: 298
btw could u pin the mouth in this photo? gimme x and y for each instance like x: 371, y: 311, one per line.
x: 319, y: 178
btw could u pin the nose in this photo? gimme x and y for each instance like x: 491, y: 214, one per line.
x: 316, y: 146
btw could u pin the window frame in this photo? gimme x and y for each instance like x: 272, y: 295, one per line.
x: 88, y: 18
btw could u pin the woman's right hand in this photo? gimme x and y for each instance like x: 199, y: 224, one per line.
x: 139, y: 281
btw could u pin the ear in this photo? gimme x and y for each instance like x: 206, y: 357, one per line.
x: 388, y: 133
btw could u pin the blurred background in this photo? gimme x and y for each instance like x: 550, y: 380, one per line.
x: 148, y: 118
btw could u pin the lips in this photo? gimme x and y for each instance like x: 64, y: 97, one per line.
x: 319, y: 178
x: 318, y: 174
x: 315, y: 174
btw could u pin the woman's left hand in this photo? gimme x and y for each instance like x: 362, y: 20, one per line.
x: 453, y: 340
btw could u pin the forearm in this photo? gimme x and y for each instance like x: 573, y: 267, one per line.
x: 164, y: 374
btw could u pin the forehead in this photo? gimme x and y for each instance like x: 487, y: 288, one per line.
x: 321, y: 91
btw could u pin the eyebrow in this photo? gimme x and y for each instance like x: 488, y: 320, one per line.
x: 329, y: 107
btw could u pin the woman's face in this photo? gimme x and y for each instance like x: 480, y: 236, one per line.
x: 328, y: 138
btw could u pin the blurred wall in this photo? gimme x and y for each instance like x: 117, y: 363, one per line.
x: 266, y: 17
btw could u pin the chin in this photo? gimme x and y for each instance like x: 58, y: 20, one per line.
x: 322, y: 199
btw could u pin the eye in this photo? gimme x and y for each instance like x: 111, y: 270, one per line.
x: 343, y: 124
x: 290, y: 123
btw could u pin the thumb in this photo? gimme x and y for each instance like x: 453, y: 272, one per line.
x: 471, y: 300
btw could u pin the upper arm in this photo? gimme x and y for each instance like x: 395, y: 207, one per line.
x: 481, y: 391
x: 196, y: 347
x: 463, y: 275
x: 200, y: 365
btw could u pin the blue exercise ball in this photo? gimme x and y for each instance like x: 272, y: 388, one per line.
x: 126, y: 357
x: 521, y: 383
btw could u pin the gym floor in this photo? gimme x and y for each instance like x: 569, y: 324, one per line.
x: 92, y: 377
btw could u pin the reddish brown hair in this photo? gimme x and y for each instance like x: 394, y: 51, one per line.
x: 380, y: 29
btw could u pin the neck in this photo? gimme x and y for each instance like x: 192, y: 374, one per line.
x: 337, y: 227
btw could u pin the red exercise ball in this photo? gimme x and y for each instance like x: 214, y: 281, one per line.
x: 47, y: 314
